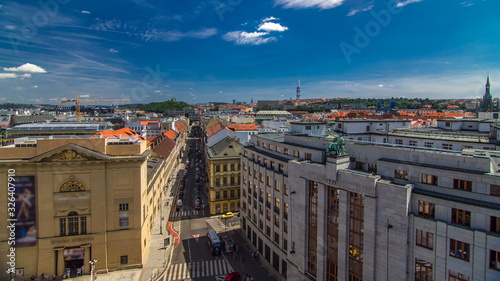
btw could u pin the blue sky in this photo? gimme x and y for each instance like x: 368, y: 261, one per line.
x: 220, y: 50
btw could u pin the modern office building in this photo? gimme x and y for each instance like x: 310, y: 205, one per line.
x: 382, y: 211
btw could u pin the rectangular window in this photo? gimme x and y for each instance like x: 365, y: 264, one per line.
x: 277, y: 220
x: 495, y: 190
x: 296, y: 153
x: 261, y: 177
x: 268, y: 231
x: 308, y: 156
x: 459, y: 249
x: 429, y: 144
x: 286, y: 151
x: 426, y: 209
x: 124, y: 260
x: 462, y: 184
x: 276, y: 238
x: 372, y: 168
x: 277, y: 185
x: 231, y: 193
x: 429, y: 179
x: 277, y: 205
x: 62, y: 227
x: 281, y: 169
x: 286, y: 190
x: 217, y: 195
x: 123, y: 207
x: 360, y: 165
x: 285, y: 211
x: 412, y: 143
x: 285, y: 226
x: 423, y: 270
x: 268, y: 200
x: 398, y: 141
x: 447, y: 146
x: 123, y: 223
x: 224, y: 194
x: 265, y: 162
x: 460, y: 217
x: 268, y: 181
x: 455, y: 276
x: 273, y: 166
x: 495, y: 224
x: 73, y: 226
x: 401, y: 174
x: 425, y: 239
x: 217, y: 168
x: 494, y: 260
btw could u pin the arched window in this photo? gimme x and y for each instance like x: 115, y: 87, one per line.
x: 72, y: 185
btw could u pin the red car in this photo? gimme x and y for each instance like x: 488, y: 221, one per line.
x: 233, y: 276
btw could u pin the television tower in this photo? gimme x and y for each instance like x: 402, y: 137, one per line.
x: 298, y: 89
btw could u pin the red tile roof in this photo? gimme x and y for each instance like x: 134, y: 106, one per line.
x: 171, y: 134
x: 212, y: 130
x: 243, y: 127
x: 164, y: 148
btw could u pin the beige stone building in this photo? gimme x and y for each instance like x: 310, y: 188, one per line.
x: 78, y: 199
x: 223, y: 170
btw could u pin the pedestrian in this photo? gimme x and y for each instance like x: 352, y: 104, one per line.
x: 253, y: 255
x: 33, y: 277
x: 54, y: 276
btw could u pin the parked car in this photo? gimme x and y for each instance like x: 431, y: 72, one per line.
x: 229, y: 245
x: 197, y: 203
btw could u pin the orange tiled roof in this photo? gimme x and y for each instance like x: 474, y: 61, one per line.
x: 242, y: 127
x: 214, y: 129
x: 171, y: 134
x: 164, y: 147
x: 121, y: 133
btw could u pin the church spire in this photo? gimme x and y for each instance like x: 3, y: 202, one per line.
x: 487, y: 98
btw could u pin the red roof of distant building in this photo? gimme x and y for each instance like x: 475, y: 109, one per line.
x: 243, y: 127
x: 214, y: 129
x: 171, y: 134
x: 164, y: 147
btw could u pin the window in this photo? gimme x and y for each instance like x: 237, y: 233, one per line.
x: 423, y: 270
x: 460, y: 217
x: 277, y: 185
x: 426, y: 209
x: 261, y: 177
x: 285, y: 189
x: 462, y: 184
x: 224, y: 194
x: 459, y: 249
x: 401, y: 174
x: 495, y: 190
x: 123, y: 220
x: 424, y: 239
x: 217, y: 182
x: 281, y: 168
x: 276, y: 238
x: 217, y: 195
x: 268, y: 181
x: 285, y: 226
x: 268, y: 231
x: 412, y: 143
x: 73, y: 224
x: 429, y: 144
x: 277, y: 205
x: 286, y: 151
x: 285, y: 244
x: 494, y: 260
x: 360, y: 165
x: 398, y: 141
x: 285, y: 211
x: 447, y: 146
x: 296, y: 153
x: 123, y: 259
x: 217, y: 168
x: 495, y: 224
x: 372, y: 168
x: 265, y: 162
x: 123, y: 207
x: 429, y: 179
x: 277, y: 220
x: 272, y: 165
x: 231, y: 193
x: 268, y: 200
x: 308, y: 156
x: 455, y: 276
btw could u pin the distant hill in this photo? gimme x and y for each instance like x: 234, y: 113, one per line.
x: 158, y: 107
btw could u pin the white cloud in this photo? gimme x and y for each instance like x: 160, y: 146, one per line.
x: 9, y: 27
x: 406, y: 2
x: 36, y: 86
x: 25, y: 75
x: 381, y: 85
x: 7, y: 75
x: 269, y: 19
x: 248, y: 38
x: 304, y: 4
x: 27, y: 67
x: 85, y: 12
x: 355, y: 11
x: 111, y: 50
x: 272, y: 26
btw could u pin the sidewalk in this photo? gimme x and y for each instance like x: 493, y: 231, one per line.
x: 253, y: 267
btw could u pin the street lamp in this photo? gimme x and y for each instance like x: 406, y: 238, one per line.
x: 93, y: 272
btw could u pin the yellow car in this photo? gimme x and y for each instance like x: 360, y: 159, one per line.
x: 227, y: 215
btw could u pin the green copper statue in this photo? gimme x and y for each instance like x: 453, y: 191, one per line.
x: 336, y: 146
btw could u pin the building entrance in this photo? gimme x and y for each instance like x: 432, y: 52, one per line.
x: 73, y: 262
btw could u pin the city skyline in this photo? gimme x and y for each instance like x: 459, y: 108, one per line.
x: 221, y: 50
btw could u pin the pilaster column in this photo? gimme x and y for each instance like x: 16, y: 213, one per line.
x: 86, y: 257
x: 59, y: 252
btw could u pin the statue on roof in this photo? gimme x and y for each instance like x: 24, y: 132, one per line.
x: 336, y: 146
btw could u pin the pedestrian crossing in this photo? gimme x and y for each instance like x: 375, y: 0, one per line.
x: 216, y: 224
x: 186, y: 213
x: 182, y: 271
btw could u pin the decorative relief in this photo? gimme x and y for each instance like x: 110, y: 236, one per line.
x: 69, y: 154
x: 72, y: 185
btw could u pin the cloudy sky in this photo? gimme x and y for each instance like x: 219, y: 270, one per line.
x: 220, y: 50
